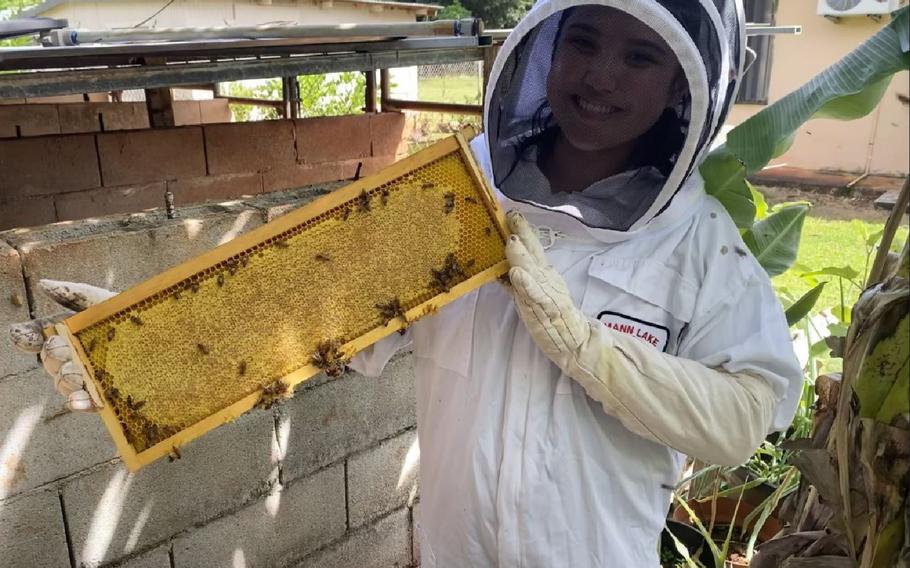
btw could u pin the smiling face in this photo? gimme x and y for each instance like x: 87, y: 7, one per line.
x: 612, y: 77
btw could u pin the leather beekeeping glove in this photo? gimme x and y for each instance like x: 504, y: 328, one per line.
x: 56, y: 353
x: 709, y: 414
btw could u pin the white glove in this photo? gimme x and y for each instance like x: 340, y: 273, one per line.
x: 56, y: 353
x: 709, y: 414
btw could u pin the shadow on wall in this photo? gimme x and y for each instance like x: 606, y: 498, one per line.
x: 327, y: 478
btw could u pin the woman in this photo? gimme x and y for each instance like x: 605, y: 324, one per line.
x: 553, y: 417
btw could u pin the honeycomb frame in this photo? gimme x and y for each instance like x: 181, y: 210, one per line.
x: 123, y: 318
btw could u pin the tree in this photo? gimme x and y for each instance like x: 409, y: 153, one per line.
x: 454, y: 11
x: 494, y: 13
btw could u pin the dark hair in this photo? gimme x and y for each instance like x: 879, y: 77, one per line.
x: 658, y: 147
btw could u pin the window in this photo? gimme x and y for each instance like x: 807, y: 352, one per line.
x: 754, y: 89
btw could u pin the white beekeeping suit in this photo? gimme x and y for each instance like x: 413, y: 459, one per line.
x: 563, y: 454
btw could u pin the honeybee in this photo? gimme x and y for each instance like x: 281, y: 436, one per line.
x: 202, y: 348
x: 329, y: 358
x: 391, y: 310
x: 384, y: 196
x: 137, y: 320
x: 448, y: 275
x: 323, y: 257
x: 740, y: 251
x: 111, y: 333
x: 346, y: 214
x: 282, y: 244
x: 428, y: 185
x: 194, y: 287
x: 469, y: 199
x: 363, y: 202
x: 174, y: 454
x: 241, y: 368
x: 272, y: 394
x: 220, y: 280
x: 449, y: 199
x: 488, y: 231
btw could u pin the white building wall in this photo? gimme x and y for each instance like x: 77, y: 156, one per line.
x: 208, y: 13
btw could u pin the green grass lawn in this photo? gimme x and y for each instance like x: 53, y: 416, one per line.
x: 827, y: 243
x: 456, y: 89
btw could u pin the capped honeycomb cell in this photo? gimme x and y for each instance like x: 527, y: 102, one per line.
x: 239, y: 326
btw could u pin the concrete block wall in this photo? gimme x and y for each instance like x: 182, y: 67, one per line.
x: 327, y: 478
x: 63, y: 177
x: 25, y: 120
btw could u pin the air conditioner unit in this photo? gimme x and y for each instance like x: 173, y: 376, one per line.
x: 839, y: 8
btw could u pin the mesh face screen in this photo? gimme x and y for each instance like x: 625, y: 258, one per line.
x: 214, y: 336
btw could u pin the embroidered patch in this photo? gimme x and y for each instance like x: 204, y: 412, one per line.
x: 651, y: 333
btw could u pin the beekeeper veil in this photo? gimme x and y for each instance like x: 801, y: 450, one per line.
x: 552, y: 77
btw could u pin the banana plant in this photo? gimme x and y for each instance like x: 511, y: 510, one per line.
x: 849, y: 89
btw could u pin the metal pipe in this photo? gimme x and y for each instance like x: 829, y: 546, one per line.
x: 426, y: 106
x: 254, y: 102
x: 752, y: 29
x: 385, y: 88
x: 370, y: 92
x: 73, y: 36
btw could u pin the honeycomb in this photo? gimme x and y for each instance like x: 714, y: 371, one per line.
x: 292, y: 302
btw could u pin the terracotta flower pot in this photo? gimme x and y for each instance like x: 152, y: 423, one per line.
x: 723, y: 515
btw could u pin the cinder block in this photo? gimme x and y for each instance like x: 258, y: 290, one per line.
x: 387, y: 131
x: 247, y: 147
x: 48, y: 165
x: 382, y: 478
x: 27, y: 212
x: 382, y: 545
x: 102, y: 117
x: 31, y: 120
x: 187, y: 112
x: 109, y: 201
x: 142, y: 156
x: 156, y: 558
x: 285, y: 525
x: 297, y: 176
x: 80, y: 117
x: 215, y: 111
x: 333, y: 138
x: 211, y: 188
x: 32, y: 533
x: 13, y: 309
x: 346, y: 415
x: 42, y: 443
x: 112, y: 513
x: 276, y: 204
x: 119, y: 252
x: 124, y: 116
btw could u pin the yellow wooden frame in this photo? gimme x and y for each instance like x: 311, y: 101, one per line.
x: 80, y: 321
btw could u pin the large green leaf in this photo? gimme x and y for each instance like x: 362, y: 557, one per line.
x: 725, y: 180
x: 849, y: 89
x: 801, y: 307
x: 775, y: 239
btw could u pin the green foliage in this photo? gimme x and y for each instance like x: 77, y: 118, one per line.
x: 336, y: 94
x: 801, y: 307
x: 725, y: 182
x: 494, y: 13
x: 9, y: 9
x: 454, y: 11
x: 775, y: 239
